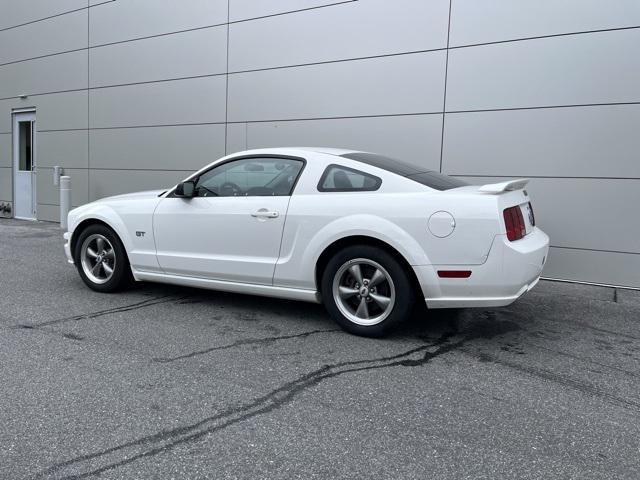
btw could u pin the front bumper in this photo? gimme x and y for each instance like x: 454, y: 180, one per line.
x: 67, y: 247
x: 510, y: 270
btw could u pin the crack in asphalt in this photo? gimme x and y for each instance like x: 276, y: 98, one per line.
x: 239, y: 343
x: 96, y: 463
x: 124, y: 308
x: 169, y: 439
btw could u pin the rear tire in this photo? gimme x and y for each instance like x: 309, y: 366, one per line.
x: 366, y: 290
x: 101, y: 260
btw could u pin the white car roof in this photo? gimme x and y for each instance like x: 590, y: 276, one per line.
x: 296, y: 150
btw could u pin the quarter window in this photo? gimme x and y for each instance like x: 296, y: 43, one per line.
x: 337, y: 178
x: 250, y: 177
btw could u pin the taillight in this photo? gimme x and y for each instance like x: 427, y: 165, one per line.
x: 533, y: 217
x: 514, y: 221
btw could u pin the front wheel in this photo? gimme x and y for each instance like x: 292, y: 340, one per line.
x: 366, y: 290
x: 101, y: 259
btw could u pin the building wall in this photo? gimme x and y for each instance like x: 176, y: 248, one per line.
x: 135, y: 94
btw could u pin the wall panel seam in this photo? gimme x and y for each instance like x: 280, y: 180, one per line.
x: 107, y: 169
x: 484, y: 175
x: 543, y: 107
x: 238, y: 72
x: 444, y: 96
x: 226, y: 93
x: 551, y: 35
x: 177, y: 32
x: 54, y: 16
x: 354, y: 117
x: 215, y: 25
x: 452, y: 112
x: 594, y: 250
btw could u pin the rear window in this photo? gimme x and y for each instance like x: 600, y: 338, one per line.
x: 337, y: 178
x: 429, y: 178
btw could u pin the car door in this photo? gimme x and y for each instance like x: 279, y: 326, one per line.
x: 232, y: 228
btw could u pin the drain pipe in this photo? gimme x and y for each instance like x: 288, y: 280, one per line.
x: 65, y: 200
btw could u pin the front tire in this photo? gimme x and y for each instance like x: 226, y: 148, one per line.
x: 366, y: 290
x: 101, y: 259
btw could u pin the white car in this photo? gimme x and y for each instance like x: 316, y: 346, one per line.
x: 364, y: 234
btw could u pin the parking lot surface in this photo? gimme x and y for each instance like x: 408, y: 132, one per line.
x: 169, y: 382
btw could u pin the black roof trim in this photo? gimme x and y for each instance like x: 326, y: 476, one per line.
x: 429, y: 178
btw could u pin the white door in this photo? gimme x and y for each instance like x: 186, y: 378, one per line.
x: 24, y: 165
x: 232, y: 229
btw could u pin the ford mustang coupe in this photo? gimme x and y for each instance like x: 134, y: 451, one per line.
x: 361, y: 233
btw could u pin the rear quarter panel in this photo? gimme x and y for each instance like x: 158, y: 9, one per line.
x: 398, y: 214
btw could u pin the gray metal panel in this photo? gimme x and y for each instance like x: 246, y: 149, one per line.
x: 596, y: 267
x: 58, y: 34
x: 478, y: 21
x: 125, y: 20
x: 48, y: 213
x: 49, y: 194
x: 242, y: 9
x: 579, y: 69
x: 236, y: 137
x: 6, y: 184
x: 585, y: 213
x: 197, y: 100
x: 17, y: 12
x: 5, y: 150
x: 68, y: 149
x: 196, y: 53
x: 357, y: 29
x: 412, y: 138
x: 159, y: 148
x: 61, y: 110
x: 105, y: 183
x: 54, y: 111
x: 44, y: 75
x: 600, y: 141
x: 402, y: 84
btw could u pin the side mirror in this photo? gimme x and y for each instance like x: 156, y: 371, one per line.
x: 186, y: 189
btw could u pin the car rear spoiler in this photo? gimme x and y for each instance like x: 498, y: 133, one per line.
x: 509, y: 186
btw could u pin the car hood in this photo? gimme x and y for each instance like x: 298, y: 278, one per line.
x: 132, y: 196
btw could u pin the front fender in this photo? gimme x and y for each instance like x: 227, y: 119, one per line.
x: 103, y: 213
x: 132, y: 220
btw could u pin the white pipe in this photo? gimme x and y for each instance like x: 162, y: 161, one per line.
x: 65, y: 200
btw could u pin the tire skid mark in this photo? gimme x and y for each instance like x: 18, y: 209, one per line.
x: 562, y: 380
x: 583, y: 359
x: 239, y: 343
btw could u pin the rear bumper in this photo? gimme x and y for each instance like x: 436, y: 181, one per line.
x: 510, y: 270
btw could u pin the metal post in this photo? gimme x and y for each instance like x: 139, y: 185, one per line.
x: 65, y: 200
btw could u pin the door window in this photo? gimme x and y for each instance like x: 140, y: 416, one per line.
x: 25, y: 157
x: 250, y: 177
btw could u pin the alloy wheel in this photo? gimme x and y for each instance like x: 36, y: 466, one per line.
x: 98, y: 258
x: 364, y: 291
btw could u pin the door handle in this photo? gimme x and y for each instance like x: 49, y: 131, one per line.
x: 264, y: 213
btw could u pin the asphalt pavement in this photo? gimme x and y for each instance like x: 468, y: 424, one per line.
x: 169, y: 382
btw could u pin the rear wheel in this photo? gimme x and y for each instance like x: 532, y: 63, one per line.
x: 366, y: 290
x: 101, y: 259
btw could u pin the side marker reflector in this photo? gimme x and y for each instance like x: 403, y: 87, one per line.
x: 454, y: 273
